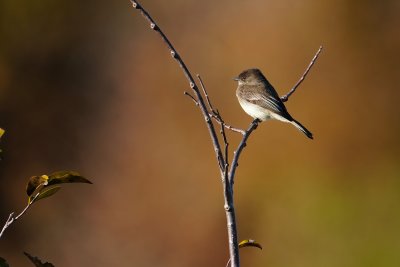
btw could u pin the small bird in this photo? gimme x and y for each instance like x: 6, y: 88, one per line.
x: 259, y: 99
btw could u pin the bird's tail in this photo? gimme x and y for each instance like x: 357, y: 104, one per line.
x: 302, y: 128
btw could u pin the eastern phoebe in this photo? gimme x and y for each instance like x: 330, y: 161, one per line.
x: 259, y: 99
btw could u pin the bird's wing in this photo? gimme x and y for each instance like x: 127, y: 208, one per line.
x: 268, y: 102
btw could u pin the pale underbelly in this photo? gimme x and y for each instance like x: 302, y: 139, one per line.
x: 260, y: 113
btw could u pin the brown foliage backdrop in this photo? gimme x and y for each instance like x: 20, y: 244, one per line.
x: 85, y: 85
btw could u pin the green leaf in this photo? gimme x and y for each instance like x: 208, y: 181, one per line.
x: 3, y: 263
x: 45, y: 192
x: 44, y: 185
x: 35, y: 182
x: 249, y: 243
x: 63, y: 177
x: 37, y: 261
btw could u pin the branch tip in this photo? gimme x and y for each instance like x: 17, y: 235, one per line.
x: 314, y: 59
x: 191, y: 97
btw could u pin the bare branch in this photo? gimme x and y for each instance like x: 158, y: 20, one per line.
x: 11, y: 217
x: 217, y: 116
x: 226, y: 182
x: 228, y: 192
x: 8, y: 223
x: 191, y: 97
x: 286, y: 97
x: 189, y: 77
x: 210, y: 114
x: 215, y: 113
x: 242, y: 144
x: 226, y: 149
x: 206, y: 94
x: 233, y: 129
x: 230, y: 215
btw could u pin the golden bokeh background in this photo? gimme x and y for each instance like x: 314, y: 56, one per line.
x: 87, y: 86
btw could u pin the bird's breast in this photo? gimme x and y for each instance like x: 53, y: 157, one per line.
x: 255, y: 111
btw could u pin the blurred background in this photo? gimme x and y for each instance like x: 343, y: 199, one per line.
x: 87, y: 86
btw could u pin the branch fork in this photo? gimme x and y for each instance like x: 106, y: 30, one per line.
x: 212, y: 115
x: 11, y: 217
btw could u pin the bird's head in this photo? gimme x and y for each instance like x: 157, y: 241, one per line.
x: 250, y: 76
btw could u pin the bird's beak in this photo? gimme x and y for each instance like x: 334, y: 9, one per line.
x: 235, y: 78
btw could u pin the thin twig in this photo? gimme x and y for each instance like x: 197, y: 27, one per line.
x: 233, y: 129
x: 8, y: 222
x: 206, y: 94
x: 218, y: 118
x: 286, y: 97
x: 11, y: 217
x: 191, y: 97
x: 242, y: 144
x: 225, y: 180
x: 215, y: 114
x: 189, y: 77
x: 226, y: 149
